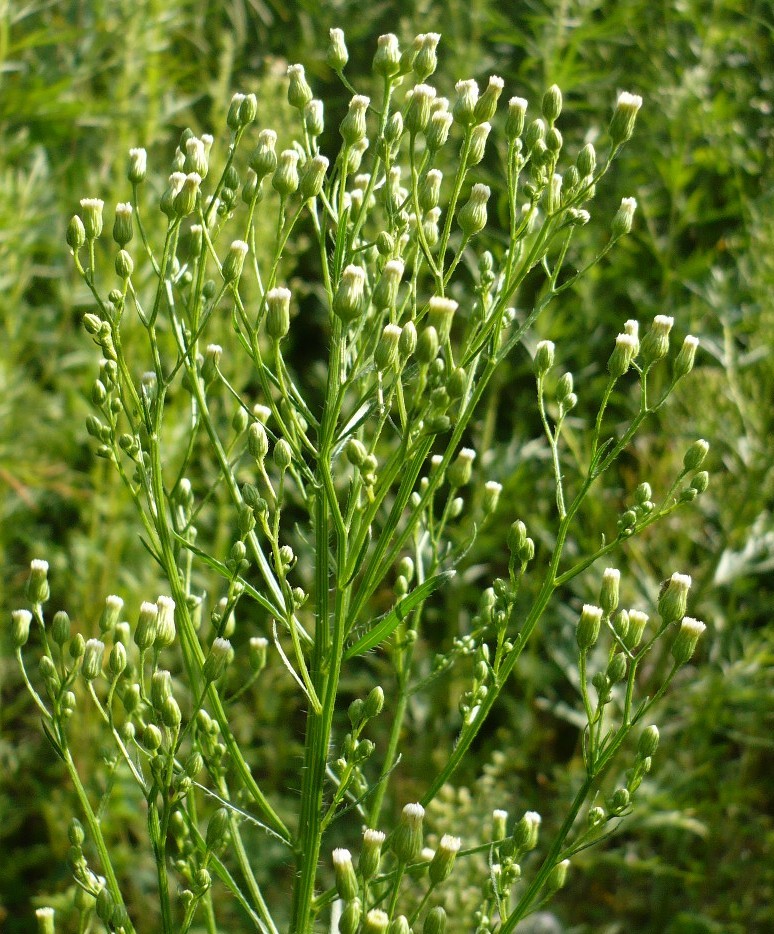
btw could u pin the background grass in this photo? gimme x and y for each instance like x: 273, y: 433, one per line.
x: 81, y: 82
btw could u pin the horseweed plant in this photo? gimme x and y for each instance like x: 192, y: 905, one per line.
x: 341, y: 490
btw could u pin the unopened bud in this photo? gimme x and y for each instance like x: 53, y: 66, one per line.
x: 386, y: 291
x: 622, y: 222
x: 589, y: 623
x: 437, y: 131
x: 285, y: 179
x: 407, y: 839
x: 299, y: 92
x: 353, y: 126
x: 138, y: 162
x: 514, y: 124
x: 655, y: 344
x: 608, y: 596
x: 165, y: 623
x: 122, y: 225
x: 20, y: 627
x: 263, y: 160
x: 622, y: 124
x: 234, y: 261
x: 525, y: 833
x: 440, y: 315
x: 313, y: 178
x: 370, y: 854
x: 349, y: 299
x: 217, y: 660
x: 544, y: 358
x: 337, y: 56
x: 472, y: 216
x: 673, y: 599
x: 91, y: 212
x: 277, y: 313
x: 686, y: 640
x: 346, y: 880
x: 376, y: 922
x: 552, y: 103
x: 387, y: 58
x: 425, y: 62
x: 478, y: 138
x: 461, y: 468
x: 695, y: 455
x: 91, y: 667
x: 38, y: 590
x: 685, y: 358
x: 464, y: 110
x: 443, y: 859
x: 76, y: 234
x: 622, y: 356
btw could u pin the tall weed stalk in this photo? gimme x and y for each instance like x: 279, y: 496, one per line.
x: 352, y: 493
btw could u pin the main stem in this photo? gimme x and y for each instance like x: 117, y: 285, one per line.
x: 327, y: 655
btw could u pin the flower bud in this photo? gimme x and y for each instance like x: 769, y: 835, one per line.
x: 700, y: 482
x: 673, y: 599
x: 440, y: 315
x: 285, y: 179
x: 145, y: 631
x: 685, y: 358
x: 117, y: 660
x: 608, y: 596
x: 91, y: 666
x: 185, y: 200
x: 376, y: 922
x: 91, y: 211
x: 622, y: 356
x: 257, y: 441
x: 407, y: 840
x: 622, y: 222
x: 110, y: 613
x: 418, y: 110
x: 374, y: 703
x: 478, y: 138
x: 60, y: 628
x: 283, y: 454
x: 195, y: 157
x: 544, y: 358
x: 313, y: 178
x: 370, y: 854
x: 353, y: 126
x: 637, y: 623
x: 399, y: 925
x: 648, y: 743
x: 586, y: 161
x: 346, y: 880
x: 464, y: 110
x: 299, y: 92
x: 624, y: 116
x: 695, y: 455
x: 525, y: 833
x: 461, y: 468
x: 20, y: 627
x: 486, y: 105
x: 435, y: 921
x: 234, y: 261
x: 587, y: 632
x: 337, y: 56
x: 386, y: 352
x: 122, y: 225
x: 552, y: 103
x: 38, y: 590
x: 536, y: 133
x: 217, y: 830
x: 558, y: 876
x: 472, y: 216
x: 655, y: 344
x: 137, y: 169
x: 687, y: 637
x: 491, y: 497
x: 212, y: 355
x: 76, y: 234
x: 263, y: 160
x: 349, y: 922
x: 425, y: 62
x: 616, y: 670
x: 349, y: 299
x: 430, y: 189
x: 165, y: 623
x: 514, y: 124
x: 314, y: 119
x: 386, y: 291
x: 387, y: 58
x: 277, y: 313
x: 217, y: 660
x: 437, y: 131
x: 443, y: 859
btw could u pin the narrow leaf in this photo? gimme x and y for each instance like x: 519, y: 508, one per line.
x: 388, y: 623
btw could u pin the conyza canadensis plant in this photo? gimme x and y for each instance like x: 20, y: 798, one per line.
x: 302, y: 517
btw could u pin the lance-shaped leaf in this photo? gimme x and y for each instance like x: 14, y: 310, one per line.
x: 387, y: 624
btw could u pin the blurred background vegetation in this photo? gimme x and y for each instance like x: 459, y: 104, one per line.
x: 83, y: 80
